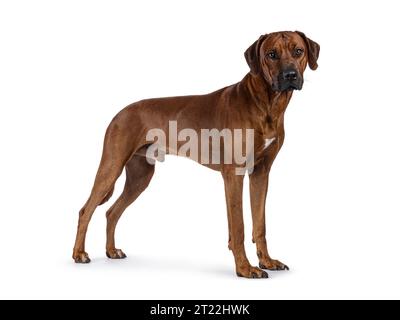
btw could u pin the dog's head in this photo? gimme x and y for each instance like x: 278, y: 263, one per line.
x: 281, y: 58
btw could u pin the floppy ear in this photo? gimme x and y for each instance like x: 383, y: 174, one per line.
x: 252, y: 55
x: 312, y: 49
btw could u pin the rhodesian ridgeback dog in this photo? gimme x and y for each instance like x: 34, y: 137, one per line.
x: 258, y: 102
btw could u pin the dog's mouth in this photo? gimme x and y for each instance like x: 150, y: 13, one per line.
x: 286, y: 86
x: 292, y: 87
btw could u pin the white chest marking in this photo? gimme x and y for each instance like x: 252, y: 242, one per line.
x: 268, y: 142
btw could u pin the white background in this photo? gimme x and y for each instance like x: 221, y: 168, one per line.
x: 67, y: 67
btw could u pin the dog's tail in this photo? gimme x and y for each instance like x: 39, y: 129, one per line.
x: 107, y: 197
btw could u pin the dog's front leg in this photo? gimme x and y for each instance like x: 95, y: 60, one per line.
x: 233, y: 193
x: 258, y: 194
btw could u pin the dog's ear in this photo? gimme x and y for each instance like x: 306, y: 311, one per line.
x: 252, y: 55
x: 312, y: 49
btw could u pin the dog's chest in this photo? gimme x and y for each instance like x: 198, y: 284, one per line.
x: 268, y: 142
x: 269, y: 137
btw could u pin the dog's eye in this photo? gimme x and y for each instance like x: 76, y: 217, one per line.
x: 272, y: 55
x: 298, y: 52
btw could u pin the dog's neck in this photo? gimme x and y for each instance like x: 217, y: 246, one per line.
x: 270, y: 104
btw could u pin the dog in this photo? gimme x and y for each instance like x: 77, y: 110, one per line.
x: 258, y: 102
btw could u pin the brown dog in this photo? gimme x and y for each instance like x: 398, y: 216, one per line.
x: 277, y: 62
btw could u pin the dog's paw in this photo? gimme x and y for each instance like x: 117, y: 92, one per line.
x: 251, y: 272
x: 81, y: 257
x: 274, y: 265
x: 115, y: 254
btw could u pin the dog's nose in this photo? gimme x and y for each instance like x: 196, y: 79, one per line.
x: 289, y: 75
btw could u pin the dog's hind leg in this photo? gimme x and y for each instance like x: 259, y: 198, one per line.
x: 138, y: 175
x: 116, y: 152
x: 104, y: 182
